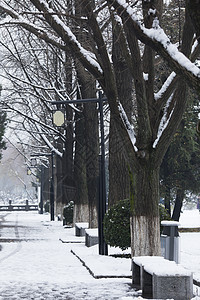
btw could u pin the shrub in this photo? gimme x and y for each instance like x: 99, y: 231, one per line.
x: 68, y: 213
x: 47, y: 206
x: 117, y: 224
x: 164, y: 215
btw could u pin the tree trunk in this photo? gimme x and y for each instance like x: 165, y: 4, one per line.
x: 167, y: 200
x: 87, y: 84
x: 92, y: 162
x: 145, y: 222
x: 68, y: 176
x: 119, y: 181
x: 58, y: 187
x: 178, y: 204
x: 81, y: 211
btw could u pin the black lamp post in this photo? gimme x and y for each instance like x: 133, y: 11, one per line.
x: 103, y: 248
x: 52, y: 187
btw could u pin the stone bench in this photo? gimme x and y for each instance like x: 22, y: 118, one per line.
x: 80, y: 228
x: 159, y: 278
x: 91, y: 237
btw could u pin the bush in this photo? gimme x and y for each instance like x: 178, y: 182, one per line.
x: 164, y: 215
x: 47, y: 206
x: 68, y: 213
x: 117, y: 224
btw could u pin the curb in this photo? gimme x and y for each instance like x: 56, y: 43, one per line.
x: 98, y: 276
x: 192, y: 229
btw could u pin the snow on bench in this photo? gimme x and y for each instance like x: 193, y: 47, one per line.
x: 80, y: 228
x: 160, y: 278
x: 91, y: 237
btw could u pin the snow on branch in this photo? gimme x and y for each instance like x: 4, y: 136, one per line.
x: 164, y: 87
x: 164, y: 121
x: 48, y: 143
x: 15, y: 18
x: 128, y: 126
x: 158, y: 34
x: 59, y: 27
x: 158, y: 40
x: 87, y: 55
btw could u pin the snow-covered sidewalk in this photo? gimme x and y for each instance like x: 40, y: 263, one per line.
x: 36, y: 264
x: 40, y: 266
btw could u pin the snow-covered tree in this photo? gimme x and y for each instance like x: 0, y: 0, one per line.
x: 38, y: 74
x: 158, y: 110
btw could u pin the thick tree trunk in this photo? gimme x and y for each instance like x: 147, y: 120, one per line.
x: 145, y: 236
x: 68, y: 176
x: 45, y: 185
x: 58, y: 187
x: 178, y: 204
x: 87, y: 84
x: 80, y: 213
x: 92, y: 162
x: 119, y: 181
x: 81, y: 210
x: 145, y: 223
x: 68, y: 182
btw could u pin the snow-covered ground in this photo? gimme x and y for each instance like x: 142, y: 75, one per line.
x: 190, y: 242
x: 35, y: 264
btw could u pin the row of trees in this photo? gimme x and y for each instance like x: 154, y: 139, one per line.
x: 68, y: 49
x: 36, y: 75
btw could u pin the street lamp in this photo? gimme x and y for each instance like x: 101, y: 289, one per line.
x: 103, y: 248
x: 59, y: 118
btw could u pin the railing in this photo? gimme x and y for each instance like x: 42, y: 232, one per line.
x: 18, y: 207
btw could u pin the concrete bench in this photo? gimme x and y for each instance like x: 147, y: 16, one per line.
x: 80, y: 228
x: 91, y: 237
x: 159, y: 278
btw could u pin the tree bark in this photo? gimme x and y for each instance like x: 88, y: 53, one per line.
x: 145, y: 221
x: 119, y: 180
x: 91, y: 134
x: 178, y: 204
x: 167, y: 200
x: 92, y: 155
x: 81, y: 210
x: 58, y: 186
x: 68, y: 182
x: 87, y: 84
x: 194, y: 12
